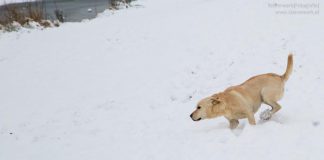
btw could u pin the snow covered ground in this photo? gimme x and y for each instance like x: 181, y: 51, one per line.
x: 122, y: 86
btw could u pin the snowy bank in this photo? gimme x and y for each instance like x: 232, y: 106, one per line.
x: 2, y: 2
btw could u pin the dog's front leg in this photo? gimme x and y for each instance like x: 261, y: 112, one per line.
x: 233, y: 123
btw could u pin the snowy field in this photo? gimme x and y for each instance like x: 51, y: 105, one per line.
x: 122, y: 86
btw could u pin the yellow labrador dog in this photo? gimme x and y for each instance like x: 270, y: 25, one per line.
x: 244, y: 100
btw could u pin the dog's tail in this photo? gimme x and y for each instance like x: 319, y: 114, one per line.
x: 289, y: 68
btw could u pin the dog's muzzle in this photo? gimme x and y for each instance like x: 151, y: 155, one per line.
x: 195, y: 119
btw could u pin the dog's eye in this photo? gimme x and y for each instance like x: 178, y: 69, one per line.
x: 198, y: 107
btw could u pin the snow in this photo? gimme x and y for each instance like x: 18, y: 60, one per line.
x: 122, y: 86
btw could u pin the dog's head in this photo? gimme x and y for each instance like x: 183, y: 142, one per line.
x: 209, y: 107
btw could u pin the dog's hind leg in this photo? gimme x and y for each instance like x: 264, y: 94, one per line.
x: 233, y: 123
x: 274, y: 105
x: 271, y: 96
x: 251, y: 118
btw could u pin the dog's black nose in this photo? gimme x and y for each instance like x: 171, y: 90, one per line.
x: 190, y: 115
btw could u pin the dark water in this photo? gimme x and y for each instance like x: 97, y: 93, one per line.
x: 73, y: 10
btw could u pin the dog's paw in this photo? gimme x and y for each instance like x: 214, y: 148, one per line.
x: 265, y: 115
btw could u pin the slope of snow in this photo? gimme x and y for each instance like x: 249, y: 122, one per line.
x: 122, y: 86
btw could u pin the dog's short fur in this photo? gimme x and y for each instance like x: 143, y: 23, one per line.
x: 244, y: 100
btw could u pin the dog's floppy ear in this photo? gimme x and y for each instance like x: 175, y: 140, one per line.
x: 215, y: 100
x: 216, y: 108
